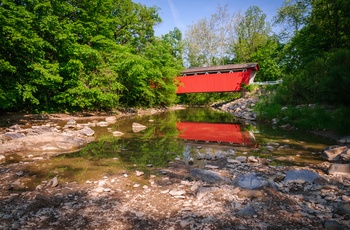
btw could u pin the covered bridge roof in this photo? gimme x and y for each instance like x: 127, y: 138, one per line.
x: 220, y: 68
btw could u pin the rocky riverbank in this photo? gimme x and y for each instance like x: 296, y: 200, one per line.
x: 226, y: 192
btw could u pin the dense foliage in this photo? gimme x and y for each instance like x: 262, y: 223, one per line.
x: 318, y: 60
x: 83, y: 55
x: 317, y: 71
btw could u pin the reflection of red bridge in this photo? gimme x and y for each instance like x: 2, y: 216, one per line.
x: 215, y: 132
x: 225, y: 78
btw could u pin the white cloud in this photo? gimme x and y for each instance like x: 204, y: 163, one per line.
x: 178, y: 23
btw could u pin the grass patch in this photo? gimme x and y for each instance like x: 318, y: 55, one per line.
x: 306, y: 117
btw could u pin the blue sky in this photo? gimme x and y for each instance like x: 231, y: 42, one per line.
x: 182, y: 13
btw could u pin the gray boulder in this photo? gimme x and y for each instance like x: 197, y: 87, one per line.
x: 301, y: 176
x: 249, y: 181
x: 344, y: 140
x: 48, y: 142
x: 339, y: 169
x: 208, y: 176
x: 332, y: 153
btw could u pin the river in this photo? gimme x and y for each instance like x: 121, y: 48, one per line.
x: 196, y: 135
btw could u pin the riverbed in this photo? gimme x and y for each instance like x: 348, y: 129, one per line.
x: 180, y: 169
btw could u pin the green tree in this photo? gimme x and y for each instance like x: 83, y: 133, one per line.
x: 292, y: 16
x: 252, y: 33
x: 207, y: 41
x: 254, y: 43
x: 82, y: 55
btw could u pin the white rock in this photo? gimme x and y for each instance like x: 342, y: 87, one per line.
x: 176, y: 192
x: 211, y: 167
x: 2, y: 158
x: 111, y: 119
x: 102, y: 124
x: 136, y: 127
x: 241, y: 159
x: 99, y: 189
x: 118, y: 133
x: 139, y: 214
x: 233, y: 161
x: 139, y: 173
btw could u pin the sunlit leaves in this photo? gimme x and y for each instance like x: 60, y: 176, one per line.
x: 83, y: 55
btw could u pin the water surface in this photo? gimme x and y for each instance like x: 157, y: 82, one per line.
x: 199, y: 134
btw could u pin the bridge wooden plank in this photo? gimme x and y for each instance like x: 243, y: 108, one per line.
x: 224, y: 82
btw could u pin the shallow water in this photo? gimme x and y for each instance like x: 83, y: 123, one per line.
x: 195, y: 134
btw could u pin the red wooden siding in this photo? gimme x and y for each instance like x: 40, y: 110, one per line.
x: 222, y: 82
x: 215, y: 132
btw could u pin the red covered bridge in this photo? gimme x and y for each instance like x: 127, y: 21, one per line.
x: 224, y: 78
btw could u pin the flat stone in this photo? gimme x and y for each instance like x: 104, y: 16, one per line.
x: 300, y: 176
x: 339, y: 169
x: 139, y: 173
x: 111, y: 119
x: 208, y: 176
x: 14, y: 135
x: 87, y: 131
x: 136, y: 127
x: 118, y: 133
x: 102, y: 124
x: 176, y: 192
x: 241, y: 159
x: 233, y: 161
x: 249, y: 181
x: 99, y: 189
x: 247, y: 212
x: 139, y: 214
x: 47, y: 142
x: 211, y: 167
x: 332, y: 152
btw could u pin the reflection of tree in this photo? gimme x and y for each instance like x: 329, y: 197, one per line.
x: 205, y: 115
x: 159, y: 144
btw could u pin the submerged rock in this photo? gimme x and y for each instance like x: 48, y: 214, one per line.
x: 111, y: 119
x: 87, y: 131
x: 118, y: 133
x: 136, y: 127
